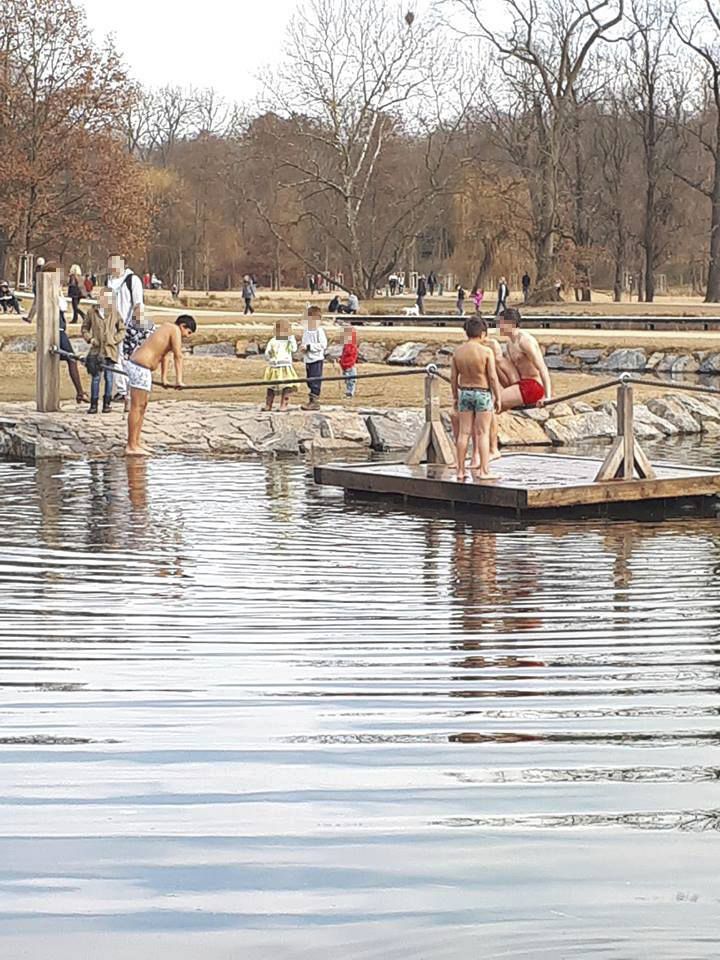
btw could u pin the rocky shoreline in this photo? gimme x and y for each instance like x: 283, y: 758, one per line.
x: 243, y: 430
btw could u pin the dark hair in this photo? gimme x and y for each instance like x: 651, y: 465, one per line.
x: 185, y: 320
x: 475, y: 327
x: 511, y: 315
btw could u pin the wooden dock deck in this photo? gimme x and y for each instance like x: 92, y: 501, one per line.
x: 535, y: 485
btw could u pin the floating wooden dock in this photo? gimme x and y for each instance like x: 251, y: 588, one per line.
x: 536, y: 485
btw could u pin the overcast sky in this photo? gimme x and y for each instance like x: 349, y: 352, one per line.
x: 213, y: 43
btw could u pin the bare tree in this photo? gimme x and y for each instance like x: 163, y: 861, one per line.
x: 542, y: 55
x: 702, y: 37
x: 654, y: 95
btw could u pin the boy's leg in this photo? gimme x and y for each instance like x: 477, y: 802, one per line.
x: 465, y: 427
x: 494, y: 448
x: 481, y: 440
x: 138, y: 405
x: 94, y: 392
x: 353, y: 381
x: 317, y: 385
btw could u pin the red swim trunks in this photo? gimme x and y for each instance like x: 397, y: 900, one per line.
x: 531, y: 391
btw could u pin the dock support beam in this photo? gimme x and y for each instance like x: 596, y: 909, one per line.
x: 626, y: 456
x: 433, y: 445
x: 47, y: 382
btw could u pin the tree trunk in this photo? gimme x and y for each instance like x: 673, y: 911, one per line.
x: 619, y: 277
x: 712, y: 293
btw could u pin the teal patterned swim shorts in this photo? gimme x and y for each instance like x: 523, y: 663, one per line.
x: 475, y: 401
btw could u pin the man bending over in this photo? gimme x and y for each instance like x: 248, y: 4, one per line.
x: 476, y: 395
x: 152, y: 353
x: 522, y: 371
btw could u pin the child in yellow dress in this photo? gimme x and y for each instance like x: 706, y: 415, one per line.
x: 279, y: 355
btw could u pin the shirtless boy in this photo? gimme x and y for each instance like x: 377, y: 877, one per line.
x: 476, y: 395
x: 154, y: 351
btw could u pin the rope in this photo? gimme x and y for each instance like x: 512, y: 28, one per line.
x: 430, y: 370
x: 689, y: 387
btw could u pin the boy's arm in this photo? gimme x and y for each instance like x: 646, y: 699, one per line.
x: 494, y: 381
x: 120, y: 330
x: 454, y: 382
x: 177, y: 357
x: 163, y: 369
x: 323, y: 339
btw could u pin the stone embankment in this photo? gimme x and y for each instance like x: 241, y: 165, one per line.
x: 243, y: 430
x: 559, y: 356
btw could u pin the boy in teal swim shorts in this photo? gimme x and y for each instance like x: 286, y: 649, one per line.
x: 476, y: 396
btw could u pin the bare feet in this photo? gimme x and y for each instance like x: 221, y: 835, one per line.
x: 494, y: 455
x: 267, y: 409
x: 137, y: 452
x: 486, y: 476
x: 461, y: 476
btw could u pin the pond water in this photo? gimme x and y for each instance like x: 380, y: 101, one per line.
x: 243, y: 718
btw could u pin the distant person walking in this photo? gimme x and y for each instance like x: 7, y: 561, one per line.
x: 431, y: 283
x: 75, y: 292
x: 88, y: 284
x: 313, y: 346
x: 460, y: 301
x: 421, y: 294
x: 477, y: 296
x: 248, y: 294
x: 526, y: 286
x: 503, y: 294
x: 392, y: 283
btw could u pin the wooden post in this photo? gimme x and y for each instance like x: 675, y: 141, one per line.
x: 626, y: 456
x: 47, y: 383
x: 433, y: 445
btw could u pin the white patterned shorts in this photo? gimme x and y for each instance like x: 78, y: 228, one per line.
x: 139, y: 378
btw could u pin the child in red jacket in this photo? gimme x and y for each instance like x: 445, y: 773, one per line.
x: 348, y: 361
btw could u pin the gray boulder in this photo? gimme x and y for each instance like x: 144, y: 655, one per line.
x: 20, y: 345
x: 687, y: 363
x: 581, y: 426
x: 372, y: 352
x: 710, y: 363
x: 552, y: 349
x: 646, y: 419
x: 406, y: 354
x: 632, y: 359
x: 561, y: 361
x: 674, y: 412
x: 588, y: 356
x: 222, y: 349
x: 654, y: 360
x: 396, y: 430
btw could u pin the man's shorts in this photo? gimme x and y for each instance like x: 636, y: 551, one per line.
x: 531, y: 391
x: 475, y: 401
x: 139, y: 378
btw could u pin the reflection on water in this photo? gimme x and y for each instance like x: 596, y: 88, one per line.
x: 244, y: 718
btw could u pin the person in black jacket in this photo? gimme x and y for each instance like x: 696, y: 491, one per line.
x: 421, y: 294
x: 75, y: 294
x: 503, y: 294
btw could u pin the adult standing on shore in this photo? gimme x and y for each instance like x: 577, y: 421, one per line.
x: 421, y: 294
x: 503, y: 294
x: 128, y: 301
x: 460, y: 301
x: 526, y: 286
x: 75, y: 292
x: 248, y: 294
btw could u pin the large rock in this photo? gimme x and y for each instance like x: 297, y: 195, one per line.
x: 687, y: 363
x: 561, y: 361
x: 667, y: 362
x: 372, y: 352
x: 580, y: 426
x: 644, y: 417
x: 333, y: 351
x: 257, y: 428
x: 221, y: 349
x: 674, y: 412
x: 588, y: 356
x: 632, y: 359
x: 698, y: 407
x: 654, y: 360
x: 552, y: 349
x: 406, y: 354
x: 515, y: 430
x: 247, y: 348
x: 710, y: 363
x: 20, y: 345
x: 286, y: 442
x: 394, y: 431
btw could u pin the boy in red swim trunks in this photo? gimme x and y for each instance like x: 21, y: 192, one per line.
x: 522, y: 371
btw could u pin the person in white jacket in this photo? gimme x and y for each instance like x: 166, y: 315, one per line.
x: 312, y: 347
